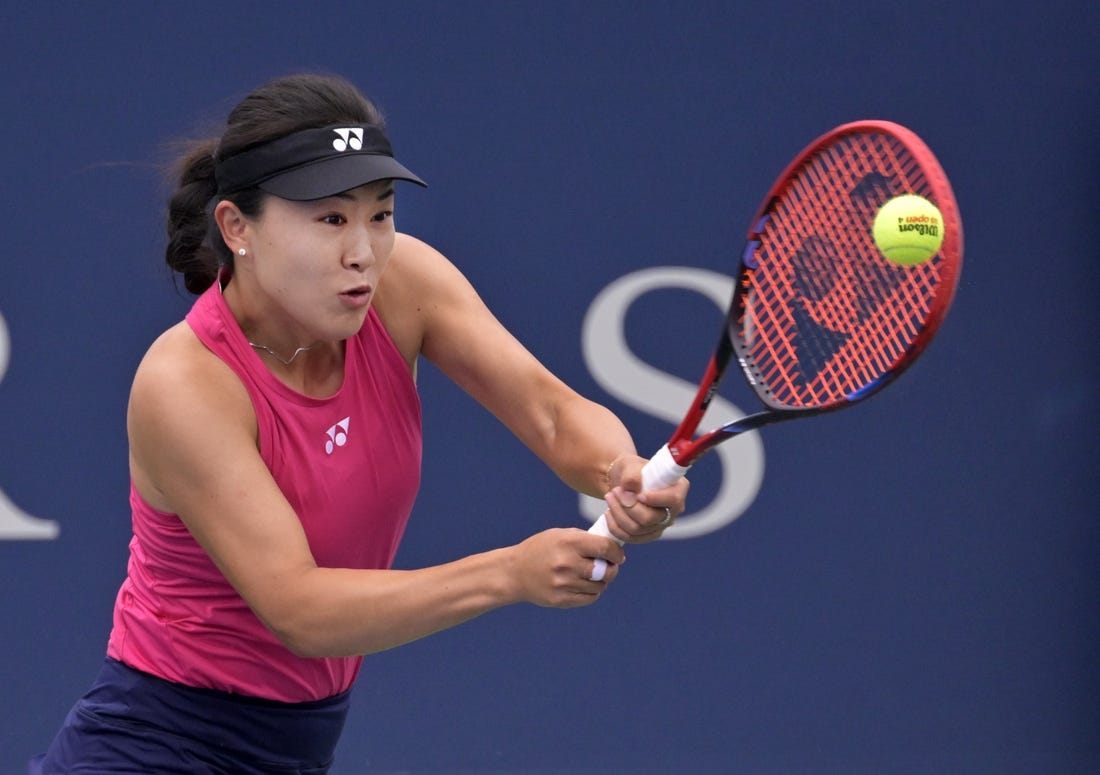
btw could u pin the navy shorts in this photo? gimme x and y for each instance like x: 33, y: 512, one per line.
x: 132, y: 722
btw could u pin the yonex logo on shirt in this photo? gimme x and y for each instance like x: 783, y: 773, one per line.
x: 337, y: 435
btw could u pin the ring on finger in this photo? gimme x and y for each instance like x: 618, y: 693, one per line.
x: 668, y: 518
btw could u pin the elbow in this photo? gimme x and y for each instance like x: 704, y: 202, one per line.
x: 305, y: 639
x: 300, y: 633
x: 302, y: 644
x: 300, y: 617
x: 312, y: 618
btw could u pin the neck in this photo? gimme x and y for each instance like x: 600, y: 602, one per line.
x: 231, y: 294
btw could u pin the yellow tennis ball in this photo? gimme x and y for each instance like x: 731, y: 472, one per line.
x: 908, y: 229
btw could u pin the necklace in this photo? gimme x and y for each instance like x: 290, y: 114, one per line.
x: 279, y: 358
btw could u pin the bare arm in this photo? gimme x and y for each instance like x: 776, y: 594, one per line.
x: 431, y: 309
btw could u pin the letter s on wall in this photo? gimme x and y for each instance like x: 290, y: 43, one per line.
x: 15, y: 525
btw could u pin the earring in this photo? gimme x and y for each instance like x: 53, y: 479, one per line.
x: 241, y: 251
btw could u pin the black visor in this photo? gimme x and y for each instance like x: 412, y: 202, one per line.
x: 314, y: 163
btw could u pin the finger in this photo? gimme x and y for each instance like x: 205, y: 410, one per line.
x: 603, y: 571
x: 620, y: 521
x: 598, y: 545
x: 672, y: 498
x: 628, y: 473
x: 650, y: 515
x: 627, y: 497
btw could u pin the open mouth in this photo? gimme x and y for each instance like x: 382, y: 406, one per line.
x: 357, y: 296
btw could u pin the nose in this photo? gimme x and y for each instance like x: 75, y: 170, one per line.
x: 359, y: 251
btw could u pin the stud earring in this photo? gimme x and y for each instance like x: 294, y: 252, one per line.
x: 241, y: 251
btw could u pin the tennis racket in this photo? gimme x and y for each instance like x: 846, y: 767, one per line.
x: 820, y: 319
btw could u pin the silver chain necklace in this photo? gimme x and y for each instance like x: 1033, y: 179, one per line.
x: 279, y: 358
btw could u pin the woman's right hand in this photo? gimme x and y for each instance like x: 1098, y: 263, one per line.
x: 554, y: 568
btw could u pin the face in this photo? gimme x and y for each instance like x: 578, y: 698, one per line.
x: 312, y: 268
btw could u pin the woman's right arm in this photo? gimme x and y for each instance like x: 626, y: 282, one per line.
x: 193, y: 444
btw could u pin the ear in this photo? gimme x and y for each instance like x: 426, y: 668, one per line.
x: 232, y: 224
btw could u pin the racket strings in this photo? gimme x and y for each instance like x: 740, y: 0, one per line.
x: 828, y: 314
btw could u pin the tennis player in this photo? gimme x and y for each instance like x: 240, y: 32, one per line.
x: 275, y: 448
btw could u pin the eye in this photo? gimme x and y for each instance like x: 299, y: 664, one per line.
x: 334, y: 219
x: 385, y: 215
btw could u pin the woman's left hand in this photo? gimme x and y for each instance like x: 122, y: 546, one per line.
x: 637, y: 516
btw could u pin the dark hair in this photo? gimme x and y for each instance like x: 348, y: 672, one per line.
x: 278, y: 108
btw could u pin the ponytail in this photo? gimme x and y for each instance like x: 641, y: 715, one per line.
x: 193, y: 242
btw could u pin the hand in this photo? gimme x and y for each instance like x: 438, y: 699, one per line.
x: 554, y: 568
x: 638, y: 516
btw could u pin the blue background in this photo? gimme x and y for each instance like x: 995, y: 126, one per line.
x: 915, y: 587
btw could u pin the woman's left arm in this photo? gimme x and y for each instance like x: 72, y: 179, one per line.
x: 430, y: 308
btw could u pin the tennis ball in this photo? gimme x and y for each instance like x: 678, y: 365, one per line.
x: 908, y: 229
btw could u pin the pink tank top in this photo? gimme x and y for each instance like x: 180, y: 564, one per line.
x: 348, y: 464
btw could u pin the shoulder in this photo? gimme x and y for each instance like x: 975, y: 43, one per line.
x: 415, y: 266
x: 185, y: 404
x: 183, y: 390
x: 419, y: 287
x: 178, y: 365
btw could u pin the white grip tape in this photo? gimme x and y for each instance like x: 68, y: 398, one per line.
x: 599, y: 527
x: 662, y: 470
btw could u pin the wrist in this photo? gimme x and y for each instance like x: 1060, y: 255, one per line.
x: 607, y: 475
x: 507, y: 577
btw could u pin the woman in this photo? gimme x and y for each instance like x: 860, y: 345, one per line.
x: 275, y: 454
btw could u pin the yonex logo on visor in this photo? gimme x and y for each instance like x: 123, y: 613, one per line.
x: 349, y: 137
x: 314, y: 163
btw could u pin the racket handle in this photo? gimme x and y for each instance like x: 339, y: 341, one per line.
x: 661, y: 471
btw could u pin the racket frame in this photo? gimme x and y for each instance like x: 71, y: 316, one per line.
x: 684, y: 446
x: 675, y: 458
